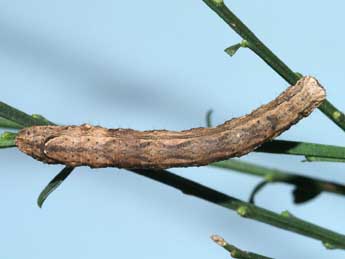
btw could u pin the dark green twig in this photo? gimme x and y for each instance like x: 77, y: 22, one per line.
x: 209, y: 118
x: 323, y: 159
x: 303, y: 148
x: 7, y: 124
x: 245, y: 209
x: 234, y: 251
x: 258, y: 47
x: 253, y: 42
x: 306, y: 187
x: 7, y: 139
x: 25, y: 120
x: 256, y: 189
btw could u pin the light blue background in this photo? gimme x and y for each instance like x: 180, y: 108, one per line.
x: 159, y: 64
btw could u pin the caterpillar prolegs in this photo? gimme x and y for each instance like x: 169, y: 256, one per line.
x: 97, y: 147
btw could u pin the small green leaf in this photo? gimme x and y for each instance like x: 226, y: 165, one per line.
x: 53, y: 184
x: 7, y: 139
x: 231, y: 51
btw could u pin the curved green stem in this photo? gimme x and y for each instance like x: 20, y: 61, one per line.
x: 256, y: 189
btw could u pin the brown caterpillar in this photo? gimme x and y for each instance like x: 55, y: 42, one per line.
x: 96, y: 147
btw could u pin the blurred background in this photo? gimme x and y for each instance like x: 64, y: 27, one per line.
x: 154, y: 64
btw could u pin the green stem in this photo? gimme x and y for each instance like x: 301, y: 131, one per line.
x: 247, y: 210
x: 7, y: 124
x: 323, y: 159
x: 7, y: 139
x: 25, y: 120
x: 234, y: 251
x: 257, y: 46
x: 253, y: 41
x: 256, y: 189
x: 333, y: 113
x: 275, y: 175
x: 302, y: 148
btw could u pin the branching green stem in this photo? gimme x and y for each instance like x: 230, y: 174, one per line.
x: 245, y: 209
x: 257, y: 46
x: 275, y: 175
x: 234, y: 251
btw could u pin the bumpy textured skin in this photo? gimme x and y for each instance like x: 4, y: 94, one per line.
x: 96, y: 147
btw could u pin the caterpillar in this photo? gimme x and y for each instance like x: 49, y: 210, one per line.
x: 97, y: 147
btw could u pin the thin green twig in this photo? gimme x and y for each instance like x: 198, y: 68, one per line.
x: 257, y: 189
x: 303, y: 148
x: 323, y: 159
x: 247, y: 210
x: 209, y: 118
x: 258, y: 47
x: 7, y: 139
x: 21, y: 118
x: 308, y: 184
x: 234, y: 251
x: 7, y: 124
